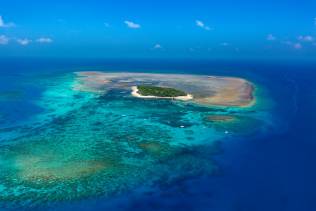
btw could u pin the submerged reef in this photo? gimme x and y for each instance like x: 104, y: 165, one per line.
x: 51, y: 167
x: 235, y: 124
x: 220, y: 118
x: 94, y: 139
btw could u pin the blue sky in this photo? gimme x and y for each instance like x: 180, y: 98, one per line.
x: 159, y: 29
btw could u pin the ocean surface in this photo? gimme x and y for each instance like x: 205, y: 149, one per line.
x: 264, y: 162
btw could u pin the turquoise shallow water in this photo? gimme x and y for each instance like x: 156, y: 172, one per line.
x: 271, y: 169
x: 81, y: 145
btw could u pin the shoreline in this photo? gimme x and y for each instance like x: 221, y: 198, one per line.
x: 136, y: 94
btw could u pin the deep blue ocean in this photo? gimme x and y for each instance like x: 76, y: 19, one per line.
x: 271, y: 171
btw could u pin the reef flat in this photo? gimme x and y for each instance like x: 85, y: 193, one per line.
x: 94, y: 139
x: 206, y: 90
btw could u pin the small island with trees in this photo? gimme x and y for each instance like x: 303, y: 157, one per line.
x: 157, y: 91
x: 149, y: 91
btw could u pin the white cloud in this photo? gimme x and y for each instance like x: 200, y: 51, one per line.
x: 132, y: 25
x: 225, y: 44
x: 44, y: 40
x: 306, y: 38
x: 1, y: 22
x: 4, y: 40
x: 157, y: 46
x: 270, y: 37
x: 5, y: 25
x: 199, y: 23
x: 294, y: 45
x: 202, y: 25
x: 297, y: 46
x: 24, y: 41
x: 287, y: 42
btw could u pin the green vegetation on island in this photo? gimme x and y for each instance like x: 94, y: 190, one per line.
x: 159, y: 91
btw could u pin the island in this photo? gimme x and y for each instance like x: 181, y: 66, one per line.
x: 145, y: 91
x: 159, y: 91
x: 200, y: 89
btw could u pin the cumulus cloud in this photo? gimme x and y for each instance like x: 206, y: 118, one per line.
x: 202, y: 25
x: 225, y: 44
x: 297, y: 46
x: 44, y: 40
x: 157, y: 46
x: 24, y: 41
x: 132, y: 25
x: 4, y: 40
x: 306, y: 38
x: 199, y: 23
x: 270, y: 37
x: 5, y: 25
x: 297, y: 43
